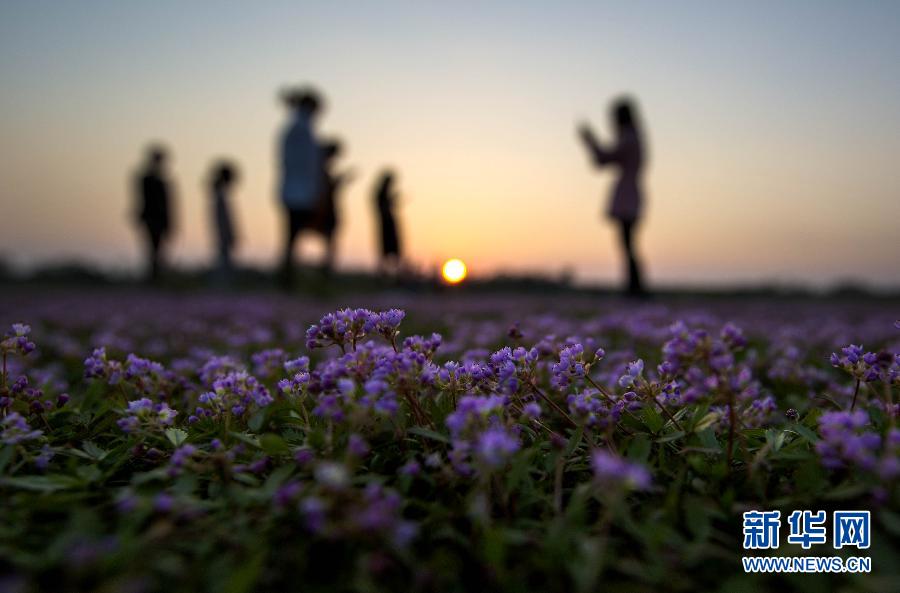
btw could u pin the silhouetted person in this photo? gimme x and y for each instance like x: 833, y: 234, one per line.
x: 385, y: 200
x: 222, y: 180
x: 301, y: 172
x: 154, y: 208
x: 332, y: 183
x: 625, y: 203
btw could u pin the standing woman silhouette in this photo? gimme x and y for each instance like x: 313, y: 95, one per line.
x: 224, y: 175
x: 627, y: 196
x: 385, y: 202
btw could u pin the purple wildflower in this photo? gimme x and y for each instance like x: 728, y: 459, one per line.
x: 16, y: 340
x: 633, y: 371
x: 342, y: 328
x: 163, y: 502
x: 144, y: 413
x: 180, y: 458
x: 845, y: 440
x: 236, y: 393
x: 287, y: 493
x: 357, y: 446
x: 410, y: 468
x: 42, y: 461
x: 495, y: 446
x: 612, y: 470
x: 15, y: 430
x: 531, y: 410
x: 314, y: 511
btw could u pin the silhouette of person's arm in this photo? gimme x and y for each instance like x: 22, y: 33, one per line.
x: 234, y: 236
x: 344, y: 178
x: 600, y: 155
x: 139, y: 212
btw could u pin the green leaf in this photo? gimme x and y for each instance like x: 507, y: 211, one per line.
x: 89, y: 473
x: 246, y: 574
x: 159, y: 473
x: 93, y: 451
x: 845, y: 492
x: 176, y: 436
x: 707, y: 421
x: 518, y: 472
x: 775, y: 438
x: 639, y: 448
x: 273, y: 444
x: 246, y: 479
x: 246, y: 438
x: 50, y: 483
x: 428, y: 434
x: 699, y: 412
x: 697, y: 518
x: 671, y: 437
x: 652, y: 418
x: 577, y: 508
x: 6, y: 455
x: 256, y: 420
x: 804, y: 432
x: 810, y: 478
x: 574, y: 441
x: 493, y: 547
x: 708, y: 439
x: 277, y: 478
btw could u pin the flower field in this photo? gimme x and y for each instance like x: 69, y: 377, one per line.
x: 253, y: 442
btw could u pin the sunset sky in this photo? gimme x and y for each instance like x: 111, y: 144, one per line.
x: 773, y: 129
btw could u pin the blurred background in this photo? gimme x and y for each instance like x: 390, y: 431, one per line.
x: 773, y: 131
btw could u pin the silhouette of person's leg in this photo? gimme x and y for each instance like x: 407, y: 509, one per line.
x: 297, y: 221
x: 223, y: 269
x: 225, y: 258
x: 287, y: 262
x: 635, y: 286
x: 154, y: 246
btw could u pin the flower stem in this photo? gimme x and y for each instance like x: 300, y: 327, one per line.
x: 855, y: 393
x: 609, y: 399
x: 553, y: 405
x: 668, y: 414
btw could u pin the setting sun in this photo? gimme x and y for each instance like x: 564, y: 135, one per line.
x: 454, y: 271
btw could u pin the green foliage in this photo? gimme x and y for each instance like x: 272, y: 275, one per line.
x: 110, y: 512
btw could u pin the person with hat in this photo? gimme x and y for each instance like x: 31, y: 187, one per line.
x: 301, y: 172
